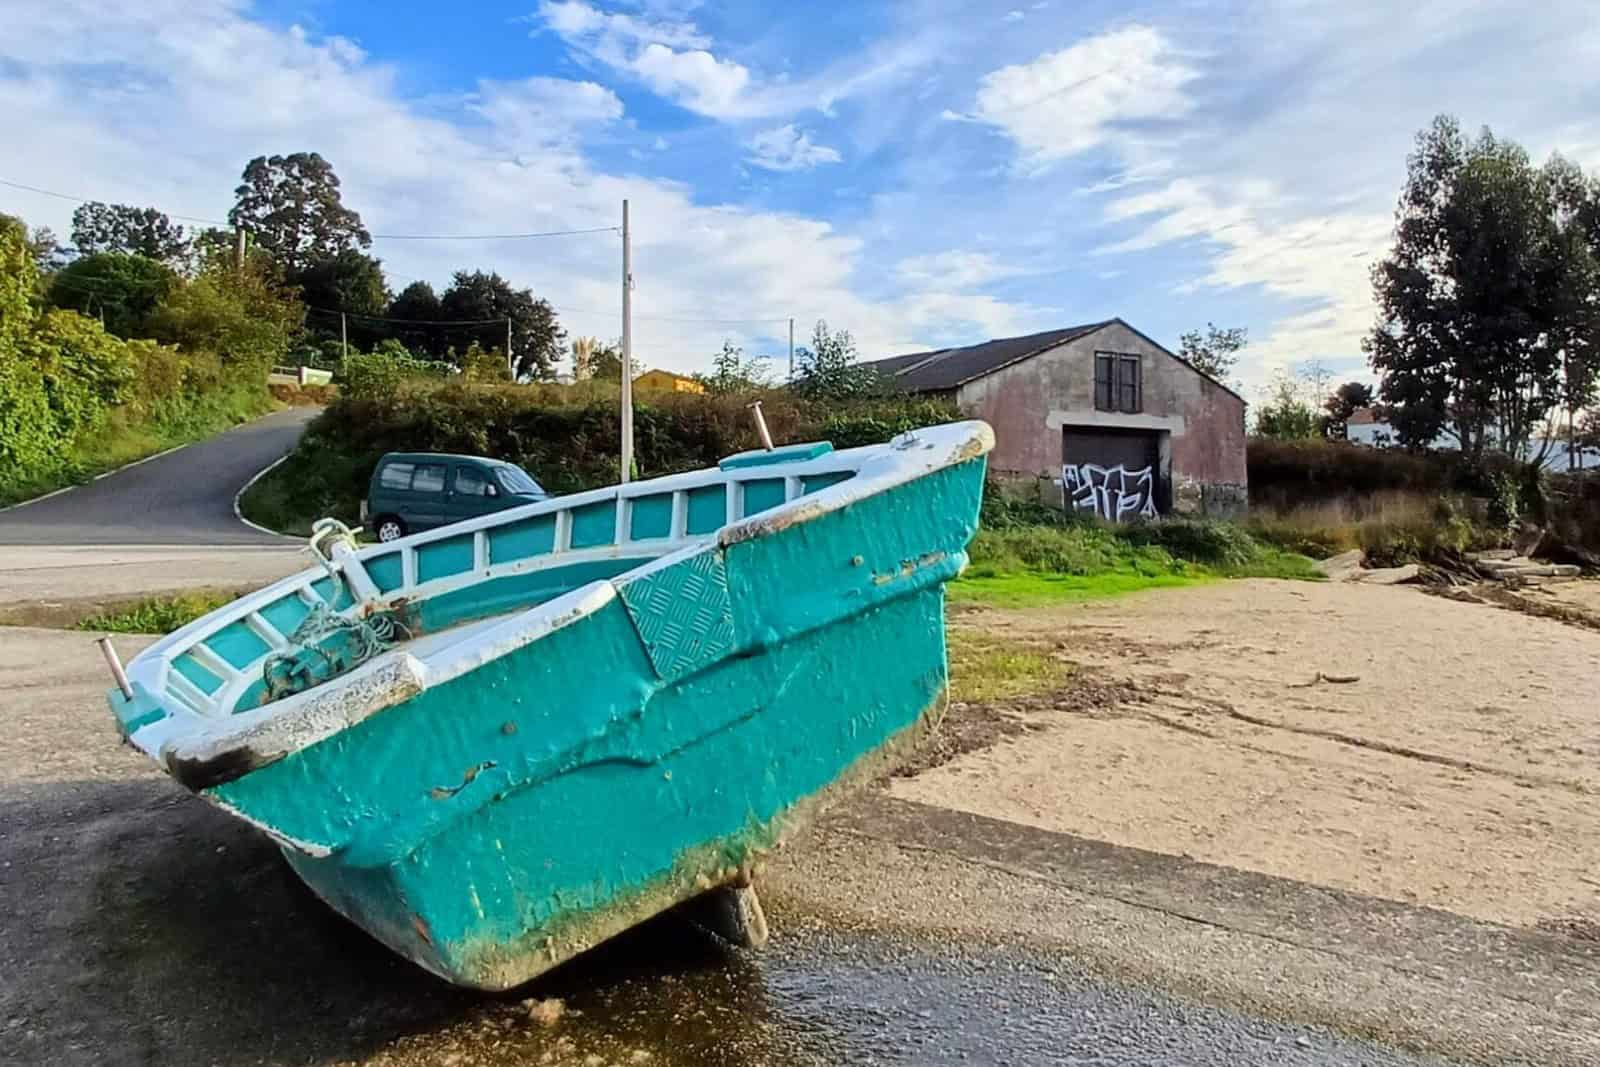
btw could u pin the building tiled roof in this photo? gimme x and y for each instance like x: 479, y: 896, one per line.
x: 1362, y: 417
x: 948, y: 368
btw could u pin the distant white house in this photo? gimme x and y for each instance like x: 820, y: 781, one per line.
x: 1364, y: 427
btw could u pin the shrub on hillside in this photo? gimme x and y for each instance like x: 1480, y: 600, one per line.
x: 567, y: 436
x: 1291, y: 474
x: 1208, y: 541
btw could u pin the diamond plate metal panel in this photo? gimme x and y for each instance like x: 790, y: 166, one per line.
x: 682, y: 613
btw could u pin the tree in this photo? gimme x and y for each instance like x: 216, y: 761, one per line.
x: 828, y: 369
x: 731, y: 372
x: 46, y: 250
x: 537, y: 339
x: 120, y: 289
x: 418, y: 303
x: 247, y: 317
x: 605, y: 362
x: 1285, y: 414
x: 1341, y: 404
x: 1216, y: 352
x: 98, y: 227
x: 351, y: 282
x: 290, y: 207
x: 1486, y: 310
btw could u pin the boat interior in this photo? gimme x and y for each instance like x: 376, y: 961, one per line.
x: 446, y: 586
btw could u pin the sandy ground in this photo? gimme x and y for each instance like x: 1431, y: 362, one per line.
x: 1585, y: 595
x: 1460, y: 771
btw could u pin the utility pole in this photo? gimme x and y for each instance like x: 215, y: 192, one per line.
x: 791, y: 350
x: 344, y: 339
x: 511, y: 364
x: 627, y: 352
x: 238, y: 250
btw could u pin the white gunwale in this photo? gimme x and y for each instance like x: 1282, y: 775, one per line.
x: 196, y: 725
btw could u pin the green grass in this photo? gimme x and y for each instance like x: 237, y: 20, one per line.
x: 1023, y: 565
x: 157, y: 615
x: 1031, y: 589
x: 984, y: 669
x: 316, y: 480
x: 122, y: 441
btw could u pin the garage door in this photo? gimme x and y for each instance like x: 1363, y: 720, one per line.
x: 1114, y: 473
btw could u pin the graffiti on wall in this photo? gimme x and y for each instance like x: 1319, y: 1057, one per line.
x: 1113, y: 493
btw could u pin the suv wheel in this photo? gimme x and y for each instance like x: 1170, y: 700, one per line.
x: 390, y: 528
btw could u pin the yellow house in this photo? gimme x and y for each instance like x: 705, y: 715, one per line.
x: 665, y: 381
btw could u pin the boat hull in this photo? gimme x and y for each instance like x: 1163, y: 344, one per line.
x: 552, y: 870
x: 653, y: 746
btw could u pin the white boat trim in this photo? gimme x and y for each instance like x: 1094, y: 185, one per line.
x: 200, y: 727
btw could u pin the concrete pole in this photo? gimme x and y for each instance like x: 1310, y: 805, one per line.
x: 791, y: 350
x: 344, y: 339
x: 511, y: 364
x: 627, y: 350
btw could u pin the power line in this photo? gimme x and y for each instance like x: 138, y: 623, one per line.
x: 374, y: 236
x: 413, y: 322
x: 486, y: 236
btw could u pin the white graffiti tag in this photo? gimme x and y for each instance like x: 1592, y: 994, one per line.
x: 1113, y: 493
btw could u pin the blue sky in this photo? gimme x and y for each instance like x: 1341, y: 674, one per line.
x: 921, y: 173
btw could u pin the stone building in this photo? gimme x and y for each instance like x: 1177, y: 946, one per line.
x: 1100, y: 416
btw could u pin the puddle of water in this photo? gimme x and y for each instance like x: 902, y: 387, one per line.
x: 670, y: 996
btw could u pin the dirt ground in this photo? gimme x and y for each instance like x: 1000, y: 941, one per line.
x: 1378, y: 740
x: 143, y: 926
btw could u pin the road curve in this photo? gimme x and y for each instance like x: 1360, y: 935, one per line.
x: 183, y: 498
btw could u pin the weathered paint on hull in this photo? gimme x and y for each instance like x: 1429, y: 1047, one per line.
x: 551, y: 871
x: 499, y: 823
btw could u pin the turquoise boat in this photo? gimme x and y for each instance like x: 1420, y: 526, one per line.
x: 496, y: 744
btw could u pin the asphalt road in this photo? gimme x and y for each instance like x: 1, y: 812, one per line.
x: 183, y: 498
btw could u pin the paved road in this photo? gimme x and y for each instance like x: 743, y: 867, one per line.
x: 185, y: 498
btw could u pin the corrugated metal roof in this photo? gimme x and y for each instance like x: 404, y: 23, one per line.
x: 948, y: 368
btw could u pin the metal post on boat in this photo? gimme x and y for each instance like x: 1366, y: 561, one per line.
x: 117, y: 673
x: 761, y: 424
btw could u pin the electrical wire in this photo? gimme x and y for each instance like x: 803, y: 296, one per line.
x: 374, y: 236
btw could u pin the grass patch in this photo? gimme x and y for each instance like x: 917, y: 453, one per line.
x: 156, y: 615
x: 1022, y: 561
x: 123, y: 440
x: 1030, y: 589
x: 984, y: 670
x: 1392, y: 528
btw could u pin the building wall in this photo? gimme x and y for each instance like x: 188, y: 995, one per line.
x: 1201, y: 424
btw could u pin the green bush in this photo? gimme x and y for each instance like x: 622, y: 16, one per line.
x: 382, y: 373
x: 75, y: 399
x: 120, y: 289
x: 567, y: 436
x: 1207, y: 541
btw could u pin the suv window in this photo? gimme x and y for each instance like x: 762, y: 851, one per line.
x: 396, y: 476
x: 516, y: 480
x: 428, y: 479
x: 470, y: 481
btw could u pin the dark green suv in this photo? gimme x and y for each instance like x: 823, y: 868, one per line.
x: 413, y: 491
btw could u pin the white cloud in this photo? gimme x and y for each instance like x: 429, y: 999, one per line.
x: 541, y: 111
x: 1013, y: 16
x: 953, y: 269
x: 1261, y: 240
x: 788, y: 148
x: 668, y: 55
x: 675, y: 60
x: 1067, y: 102
x: 174, y: 114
